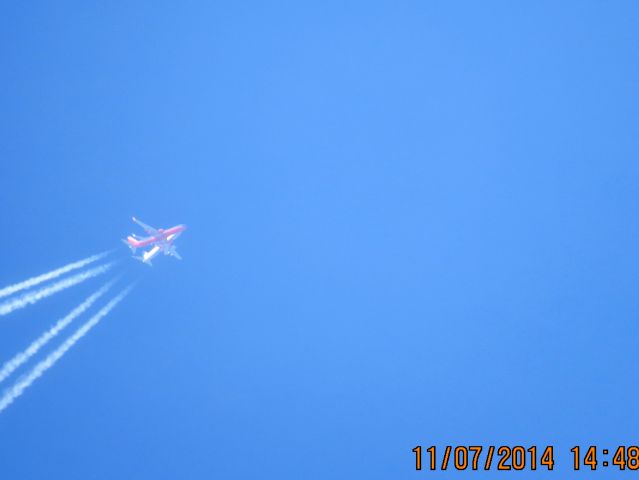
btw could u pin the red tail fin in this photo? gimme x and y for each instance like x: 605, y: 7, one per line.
x: 132, y: 241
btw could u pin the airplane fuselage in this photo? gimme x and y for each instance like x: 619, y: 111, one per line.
x: 163, y: 237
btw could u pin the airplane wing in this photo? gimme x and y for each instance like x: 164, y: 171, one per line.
x: 148, y: 229
x: 176, y: 255
x: 146, y: 257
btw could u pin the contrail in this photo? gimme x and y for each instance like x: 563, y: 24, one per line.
x: 32, y: 282
x: 30, y: 298
x: 19, y: 359
x: 21, y: 385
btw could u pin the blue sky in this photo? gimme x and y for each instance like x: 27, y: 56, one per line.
x: 408, y: 224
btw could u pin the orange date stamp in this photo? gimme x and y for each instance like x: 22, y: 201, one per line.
x: 504, y: 457
x: 476, y: 457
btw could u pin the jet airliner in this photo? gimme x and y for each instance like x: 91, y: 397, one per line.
x: 160, y: 240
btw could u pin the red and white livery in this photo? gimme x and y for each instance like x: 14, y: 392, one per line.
x: 160, y: 240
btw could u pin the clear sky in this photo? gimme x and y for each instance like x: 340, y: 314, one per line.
x: 410, y: 223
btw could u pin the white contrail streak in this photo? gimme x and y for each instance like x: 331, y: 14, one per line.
x: 21, y: 385
x: 19, y: 359
x: 30, y: 298
x: 32, y: 282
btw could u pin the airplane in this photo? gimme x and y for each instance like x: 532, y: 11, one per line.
x: 161, y: 240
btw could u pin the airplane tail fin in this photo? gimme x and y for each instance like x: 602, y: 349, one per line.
x: 126, y: 242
